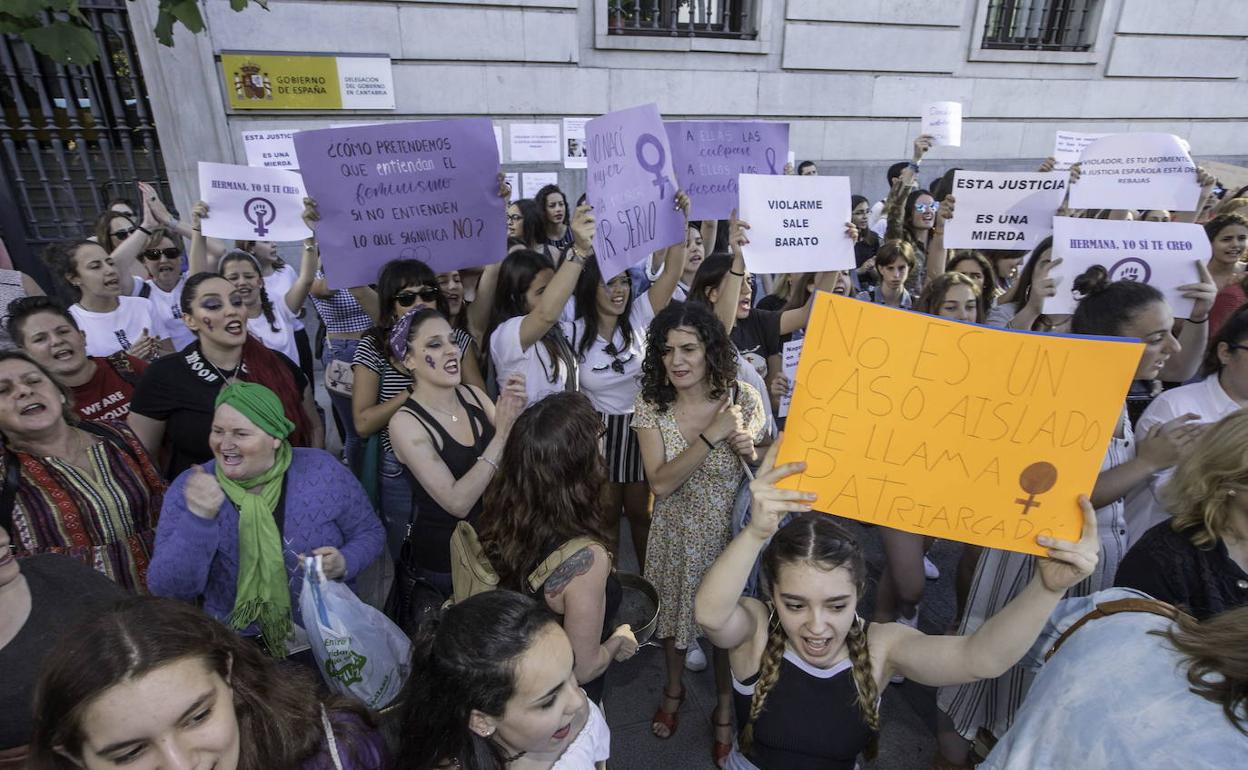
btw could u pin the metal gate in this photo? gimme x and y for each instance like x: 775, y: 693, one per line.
x: 72, y: 138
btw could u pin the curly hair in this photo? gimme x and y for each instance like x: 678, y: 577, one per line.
x: 548, y: 488
x: 61, y: 258
x: 720, y: 355
x: 278, y: 710
x: 819, y: 541
x: 1201, y: 493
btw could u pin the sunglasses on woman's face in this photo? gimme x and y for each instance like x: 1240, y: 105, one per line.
x: 923, y: 208
x: 155, y: 255
x: 424, y: 294
x: 121, y: 235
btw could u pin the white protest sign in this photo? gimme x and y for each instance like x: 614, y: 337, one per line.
x: 513, y: 181
x: 1003, y: 210
x: 536, y: 180
x: 1161, y: 254
x: 1136, y: 171
x: 797, y: 223
x: 498, y: 140
x: 791, y: 354
x: 270, y: 149
x: 575, y: 153
x: 1068, y: 146
x: 943, y: 122
x: 534, y: 142
x: 252, y: 204
x: 793, y: 160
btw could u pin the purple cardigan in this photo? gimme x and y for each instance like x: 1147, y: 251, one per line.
x: 324, y: 504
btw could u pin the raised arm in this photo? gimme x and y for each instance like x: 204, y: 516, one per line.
x: 730, y: 285
x: 894, y: 206
x: 729, y: 619
x: 550, y: 305
x: 1005, y: 637
x: 1207, y: 182
x: 298, y: 291
x: 1193, y: 334
x: 937, y: 255
x: 126, y: 255
x: 660, y: 292
x: 197, y: 259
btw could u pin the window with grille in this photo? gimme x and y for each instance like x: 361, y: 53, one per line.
x: 731, y: 19
x: 1040, y: 25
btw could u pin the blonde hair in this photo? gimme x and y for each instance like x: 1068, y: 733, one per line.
x: 1230, y: 206
x: 821, y: 542
x: 1206, y: 480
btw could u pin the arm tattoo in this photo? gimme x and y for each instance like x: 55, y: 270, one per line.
x: 574, y: 566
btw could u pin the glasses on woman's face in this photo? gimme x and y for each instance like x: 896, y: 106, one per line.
x: 514, y: 217
x: 155, y: 255
x: 924, y: 208
x: 123, y: 234
x: 424, y: 294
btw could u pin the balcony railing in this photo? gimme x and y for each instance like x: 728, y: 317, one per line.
x: 731, y: 19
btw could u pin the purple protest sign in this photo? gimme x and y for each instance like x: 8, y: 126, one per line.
x: 631, y: 187
x: 709, y: 154
x: 419, y: 190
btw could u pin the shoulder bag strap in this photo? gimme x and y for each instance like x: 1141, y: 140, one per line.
x: 551, y: 563
x: 1151, y: 606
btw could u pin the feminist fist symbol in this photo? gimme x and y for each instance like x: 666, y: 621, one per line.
x: 660, y: 181
x: 261, y: 213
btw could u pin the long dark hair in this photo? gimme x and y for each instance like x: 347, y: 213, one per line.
x: 721, y: 356
x: 396, y: 274
x: 61, y: 258
x: 279, y: 713
x: 548, y: 488
x: 533, y: 226
x: 1108, y: 306
x: 515, y: 275
x: 266, y: 305
x: 710, y: 275
x: 1022, y: 286
x: 819, y: 541
x: 462, y: 662
x: 540, y: 200
x: 989, y: 291
x: 586, y: 299
x: 1234, y: 331
x: 907, y: 220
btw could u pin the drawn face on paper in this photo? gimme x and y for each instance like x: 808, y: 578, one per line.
x: 684, y: 358
x: 816, y: 609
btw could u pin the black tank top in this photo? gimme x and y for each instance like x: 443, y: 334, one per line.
x: 810, y: 720
x: 433, y: 526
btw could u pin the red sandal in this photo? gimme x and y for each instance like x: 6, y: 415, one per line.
x: 668, y: 719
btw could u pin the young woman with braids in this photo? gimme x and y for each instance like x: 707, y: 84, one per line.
x: 807, y: 670
x: 492, y: 688
x: 547, y: 491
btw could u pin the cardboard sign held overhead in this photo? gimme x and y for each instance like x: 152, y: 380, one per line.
x: 631, y: 185
x: 1136, y: 171
x: 1161, y: 254
x: 1003, y: 210
x: 708, y: 155
x: 252, y: 204
x: 420, y: 190
x: 797, y: 223
x: 952, y: 430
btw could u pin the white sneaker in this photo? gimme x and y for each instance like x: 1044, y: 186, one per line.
x: 929, y: 569
x: 695, y: 659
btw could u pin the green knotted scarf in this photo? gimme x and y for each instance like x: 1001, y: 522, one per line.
x: 262, y: 594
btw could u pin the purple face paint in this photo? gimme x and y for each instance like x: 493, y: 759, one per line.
x: 429, y: 360
x: 208, y: 324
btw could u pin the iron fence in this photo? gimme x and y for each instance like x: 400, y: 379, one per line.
x: 74, y: 137
x: 1040, y: 25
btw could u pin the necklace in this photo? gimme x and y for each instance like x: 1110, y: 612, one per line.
x: 233, y: 372
x: 454, y: 417
x: 512, y: 758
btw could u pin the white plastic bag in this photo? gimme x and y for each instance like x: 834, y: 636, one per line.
x: 359, y: 650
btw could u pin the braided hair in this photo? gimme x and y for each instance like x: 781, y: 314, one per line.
x: 266, y: 305
x: 817, y: 540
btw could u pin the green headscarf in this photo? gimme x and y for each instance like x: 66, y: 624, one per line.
x: 262, y: 595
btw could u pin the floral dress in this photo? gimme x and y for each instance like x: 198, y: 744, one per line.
x: 690, y: 527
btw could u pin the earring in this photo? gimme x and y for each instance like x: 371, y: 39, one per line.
x: 1230, y: 493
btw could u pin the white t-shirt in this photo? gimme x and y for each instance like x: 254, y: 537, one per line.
x: 590, y: 746
x: 613, y: 392
x: 282, y: 340
x: 277, y: 284
x: 169, y: 313
x: 110, y: 332
x: 1205, y: 398
x: 535, y: 363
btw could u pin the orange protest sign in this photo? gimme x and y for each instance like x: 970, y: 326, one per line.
x: 952, y: 430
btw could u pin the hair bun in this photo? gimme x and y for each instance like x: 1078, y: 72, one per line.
x: 1094, y: 280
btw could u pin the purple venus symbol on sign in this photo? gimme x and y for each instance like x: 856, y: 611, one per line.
x: 660, y: 180
x: 1036, y: 479
x: 261, y: 213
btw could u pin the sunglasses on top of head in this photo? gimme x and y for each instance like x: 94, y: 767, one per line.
x: 155, y: 255
x: 424, y: 294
